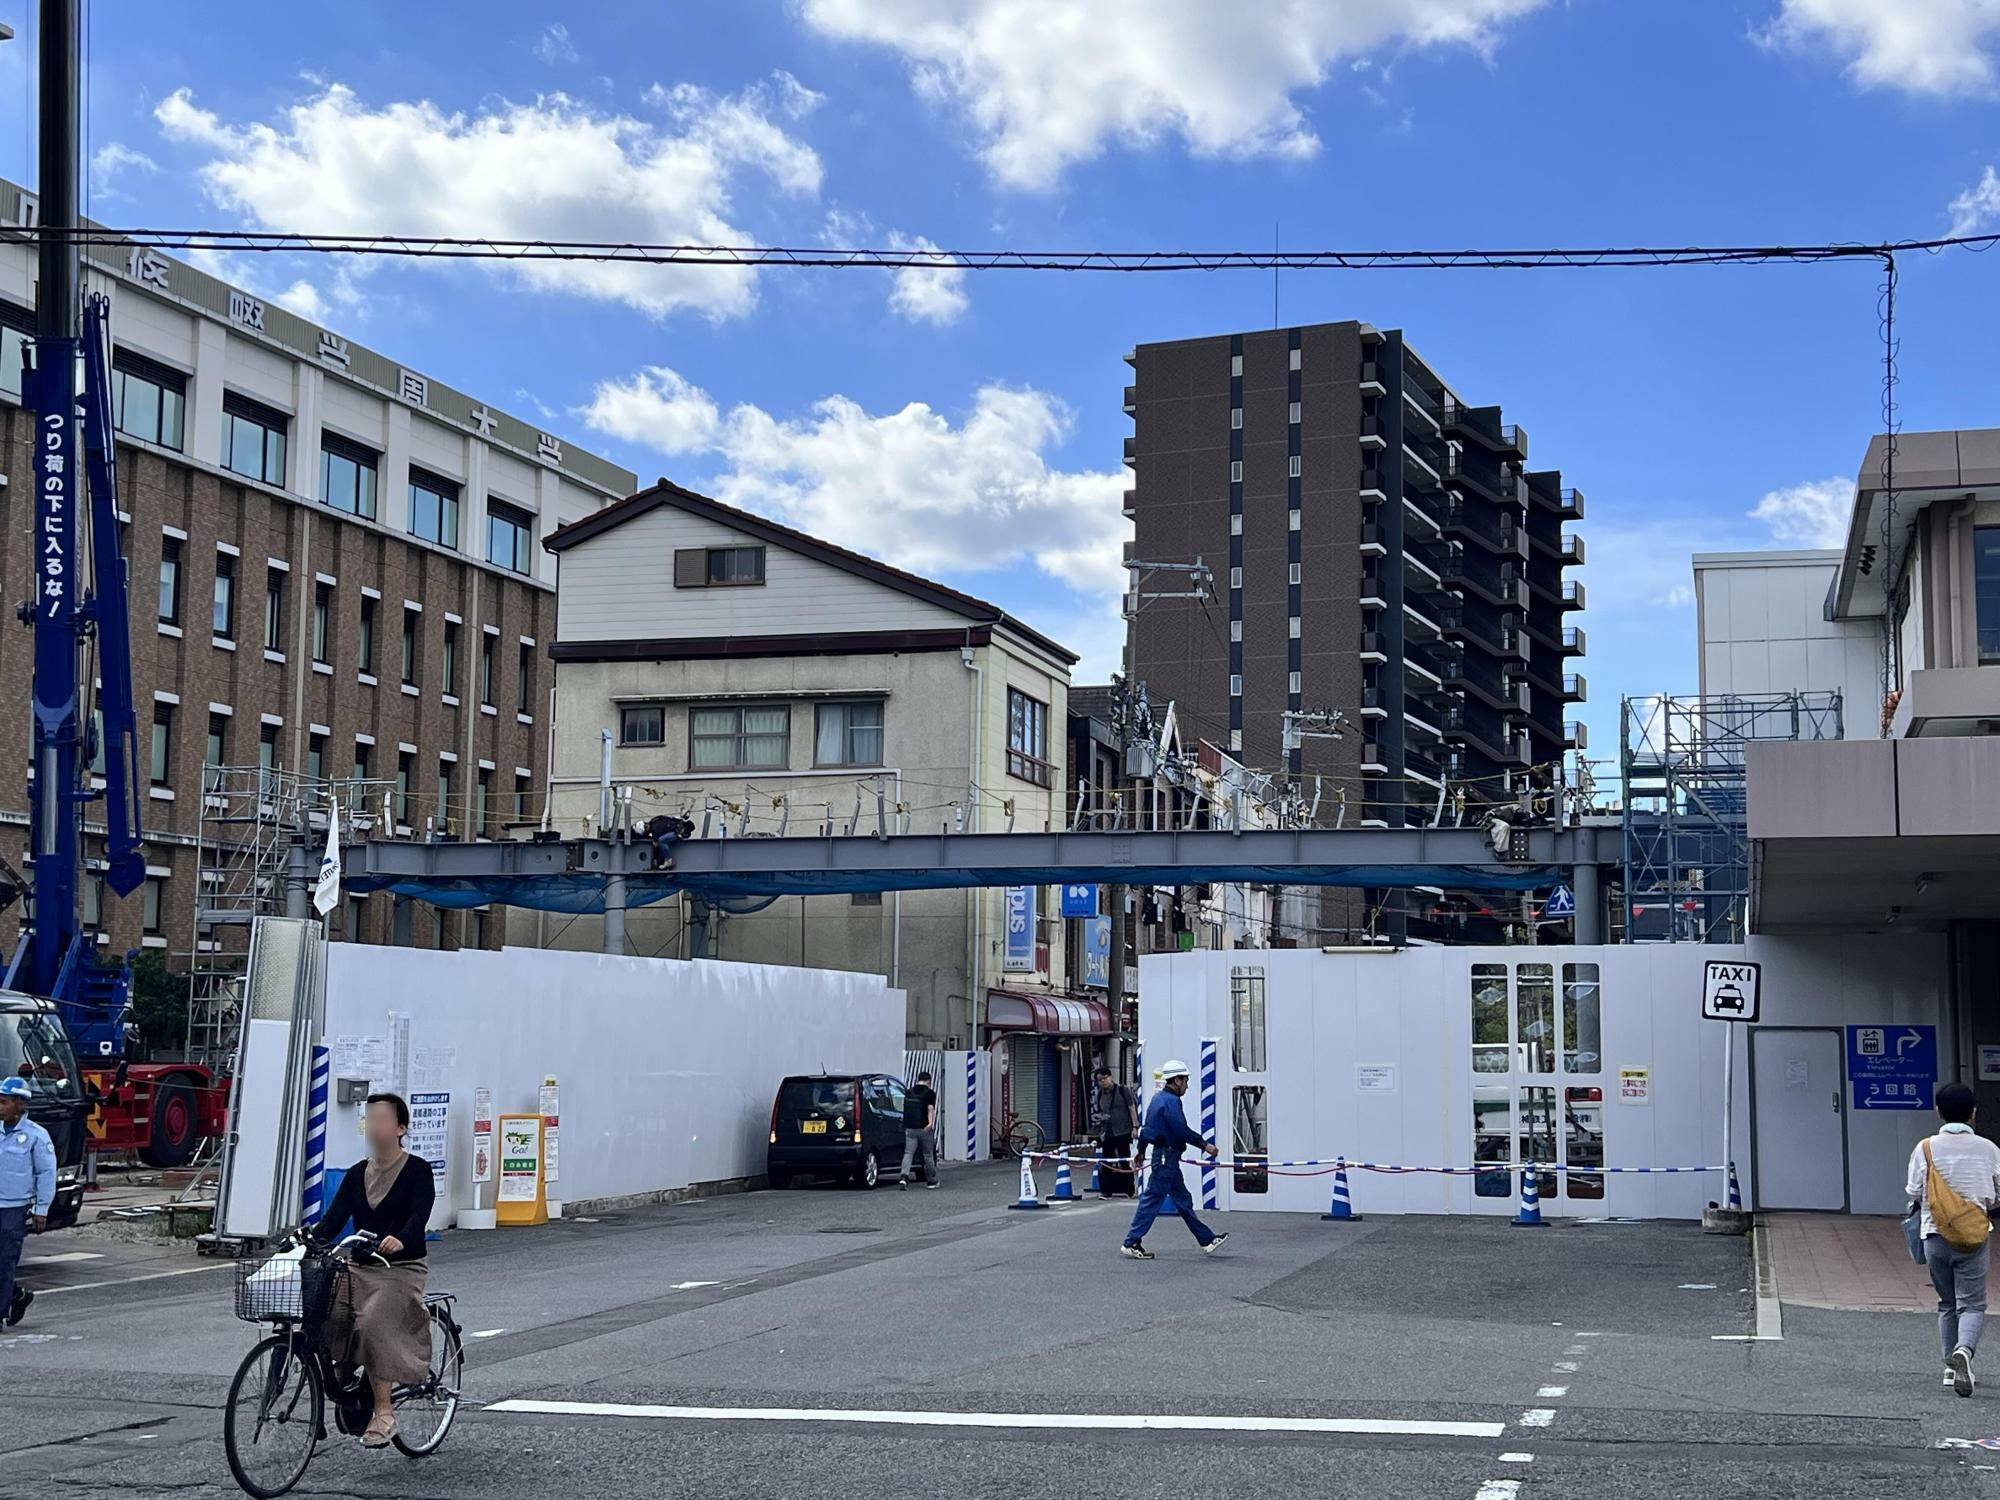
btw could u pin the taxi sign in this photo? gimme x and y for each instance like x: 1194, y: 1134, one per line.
x: 1729, y: 990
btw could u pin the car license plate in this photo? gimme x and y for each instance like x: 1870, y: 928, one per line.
x: 813, y: 1127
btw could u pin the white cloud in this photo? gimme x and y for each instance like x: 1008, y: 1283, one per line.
x: 926, y: 296
x: 1813, y: 514
x: 553, y: 169
x: 114, y: 158
x: 909, y: 486
x: 553, y: 46
x: 1047, y: 83
x: 1920, y: 46
x: 1978, y: 206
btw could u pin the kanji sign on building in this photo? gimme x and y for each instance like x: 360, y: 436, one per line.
x: 1892, y: 1067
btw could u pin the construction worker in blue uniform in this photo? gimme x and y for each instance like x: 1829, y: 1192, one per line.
x: 27, y: 1189
x: 1166, y: 1130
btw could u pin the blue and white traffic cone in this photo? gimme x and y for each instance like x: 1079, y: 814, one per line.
x: 1735, y: 1192
x: 1530, y: 1216
x: 1029, y: 1197
x: 1097, y: 1174
x: 1342, y: 1208
x: 1065, y: 1192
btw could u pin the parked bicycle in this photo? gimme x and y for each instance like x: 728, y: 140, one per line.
x: 1018, y: 1136
x: 276, y: 1416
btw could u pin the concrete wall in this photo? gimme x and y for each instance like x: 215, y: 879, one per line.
x: 667, y: 1070
x: 1760, y: 620
x: 1411, y: 1011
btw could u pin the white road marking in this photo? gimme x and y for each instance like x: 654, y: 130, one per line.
x: 1538, y: 1416
x: 91, y: 1286
x: 1564, y: 1367
x: 1499, y: 1489
x: 1575, y: 1349
x: 1125, y: 1421
x: 688, y: 1286
x: 489, y: 1333
x: 1517, y: 1458
x: 1551, y: 1392
x: 1747, y: 1338
x: 67, y: 1257
x: 1695, y: 1286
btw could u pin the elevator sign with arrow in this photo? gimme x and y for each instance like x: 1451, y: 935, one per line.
x: 1892, y: 1067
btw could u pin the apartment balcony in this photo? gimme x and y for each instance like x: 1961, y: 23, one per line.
x: 1572, y: 550
x: 1515, y: 645
x: 1419, y: 626
x: 1374, y: 592
x: 1493, y: 531
x: 1372, y: 484
x: 1576, y: 687
x: 1572, y: 593
x: 1573, y: 640
x: 1131, y: 452
x: 1131, y: 397
x: 1502, y: 486
x: 1374, y: 760
x: 1484, y: 731
x: 1371, y: 379
x: 1423, y: 404
x: 1483, y: 424
x: 1374, y: 703
x: 1425, y: 767
x: 1569, y: 504
x: 1576, y: 734
x: 1131, y: 504
x: 1373, y: 647
x: 1500, y: 585
x: 1372, y: 439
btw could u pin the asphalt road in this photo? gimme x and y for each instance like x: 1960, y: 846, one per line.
x: 1422, y: 1357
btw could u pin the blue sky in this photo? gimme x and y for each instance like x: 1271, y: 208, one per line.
x: 970, y: 425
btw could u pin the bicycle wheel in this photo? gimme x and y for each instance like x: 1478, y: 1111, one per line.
x: 424, y: 1412
x: 1024, y: 1136
x: 274, y: 1417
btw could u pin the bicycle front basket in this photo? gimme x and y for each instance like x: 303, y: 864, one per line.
x: 270, y: 1291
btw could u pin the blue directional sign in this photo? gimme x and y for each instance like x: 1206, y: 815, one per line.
x: 1562, y: 903
x: 1892, y: 1067
x: 1097, y: 953
x: 1079, y: 900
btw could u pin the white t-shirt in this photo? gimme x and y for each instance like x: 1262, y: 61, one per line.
x: 1969, y: 1162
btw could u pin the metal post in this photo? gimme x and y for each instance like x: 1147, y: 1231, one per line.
x: 614, y: 898
x: 298, y: 879
x: 1116, y: 894
x: 1728, y: 1103
x: 1589, y: 904
x: 604, y: 785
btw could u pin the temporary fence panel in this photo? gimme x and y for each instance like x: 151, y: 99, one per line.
x: 964, y: 1128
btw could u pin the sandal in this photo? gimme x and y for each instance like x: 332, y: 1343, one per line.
x: 379, y: 1431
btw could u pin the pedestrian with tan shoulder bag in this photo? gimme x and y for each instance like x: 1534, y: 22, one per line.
x: 1955, y: 1177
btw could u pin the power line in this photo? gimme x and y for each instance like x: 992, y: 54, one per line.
x: 455, y: 247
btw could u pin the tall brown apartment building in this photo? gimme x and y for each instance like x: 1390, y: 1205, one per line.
x: 335, y: 570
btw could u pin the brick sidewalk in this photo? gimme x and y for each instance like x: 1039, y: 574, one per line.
x: 1847, y: 1262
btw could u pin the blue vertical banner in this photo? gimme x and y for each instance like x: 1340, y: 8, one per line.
x: 1208, y: 1050
x: 316, y: 1101
x: 1018, y: 952
x: 1097, y: 954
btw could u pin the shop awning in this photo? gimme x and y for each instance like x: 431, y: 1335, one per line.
x: 1051, y: 1015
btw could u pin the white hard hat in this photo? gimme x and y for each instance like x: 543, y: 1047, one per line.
x: 1174, y: 1069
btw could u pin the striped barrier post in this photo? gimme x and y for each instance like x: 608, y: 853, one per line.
x: 1530, y: 1216
x: 972, y: 1105
x: 1029, y: 1197
x: 1208, y: 1050
x: 315, y: 1177
x: 1139, y: 1111
x: 1342, y: 1209
x: 1065, y: 1190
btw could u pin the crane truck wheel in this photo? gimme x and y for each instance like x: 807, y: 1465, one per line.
x: 175, y: 1127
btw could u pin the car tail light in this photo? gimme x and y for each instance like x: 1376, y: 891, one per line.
x: 857, y: 1114
x: 1586, y: 1096
x: 774, y: 1119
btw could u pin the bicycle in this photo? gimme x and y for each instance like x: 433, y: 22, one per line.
x: 1019, y: 1135
x: 276, y: 1416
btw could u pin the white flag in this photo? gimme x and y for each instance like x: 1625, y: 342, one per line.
x: 326, y: 894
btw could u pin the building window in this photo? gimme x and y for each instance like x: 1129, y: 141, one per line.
x: 1247, y: 1020
x: 1295, y: 414
x: 1236, y: 684
x: 520, y: 798
x: 1236, y: 471
x: 482, y: 787
x: 1292, y: 519
x: 1293, y: 575
x: 718, y: 567
x: 1294, y: 365
x: 17, y: 329
x: 405, y: 766
x: 365, y: 652
x: 322, y: 621
x: 433, y: 508
x: 524, y: 698
x: 1236, y: 740
x: 1292, y: 627
x: 1235, y: 417
x: 486, y: 654
x: 364, y: 755
x: 1028, y: 739
x: 848, y: 734
x: 217, y: 753
x: 1236, y: 578
x: 1236, y: 630
x: 253, y: 439
x: 274, y: 609
x: 642, y: 724
x: 267, y: 747
x: 450, y: 661
x: 316, y: 756
x: 152, y: 899
x: 347, y: 475
x: 163, y: 743
x: 93, y: 901
x: 1236, y: 525
x: 445, y: 769
x: 1292, y: 685
x: 740, y: 739
x: 170, y: 580
x: 509, y: 532
x: 1295, y: 466
x: 148, y: 401
x: 1986, y: 590
x: 1235, y: 364
x: 97, y: 741
x: 224, y: 620
x: 413, y: 624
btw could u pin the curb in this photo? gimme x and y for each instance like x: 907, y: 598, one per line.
x: 1770, y: 1310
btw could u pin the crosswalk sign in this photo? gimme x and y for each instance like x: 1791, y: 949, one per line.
x: 1562, y: 903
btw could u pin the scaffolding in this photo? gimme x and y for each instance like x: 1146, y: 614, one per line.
x: 1687, y: 843
x: 252, y: 818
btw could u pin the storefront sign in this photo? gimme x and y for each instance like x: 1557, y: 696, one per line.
x: 1097, y: 952
x: 1018, y: 951
x: 482, y: 1135
x: 1079, y: 900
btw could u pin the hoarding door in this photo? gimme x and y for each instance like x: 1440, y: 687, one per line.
x: 1798, y: 1114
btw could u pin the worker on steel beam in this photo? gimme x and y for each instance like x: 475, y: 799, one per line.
x: 27, y: 1188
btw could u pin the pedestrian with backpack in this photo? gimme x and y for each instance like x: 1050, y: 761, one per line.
x: 1954, y: 1176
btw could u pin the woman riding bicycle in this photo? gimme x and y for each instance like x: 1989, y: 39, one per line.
x: 388, y: 1193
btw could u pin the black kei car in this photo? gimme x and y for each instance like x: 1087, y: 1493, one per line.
x: 844, y: 1127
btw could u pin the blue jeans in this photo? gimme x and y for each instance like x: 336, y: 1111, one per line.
x: 1165, y: 1187
x: 13, y: 1234
x: 1960, y: 1279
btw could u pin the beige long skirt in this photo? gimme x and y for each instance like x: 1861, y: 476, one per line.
x: 388, y: 1330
